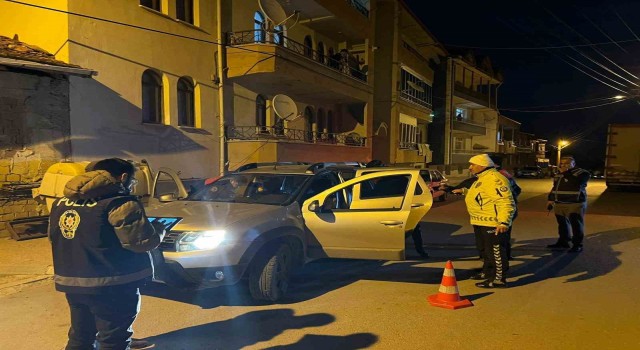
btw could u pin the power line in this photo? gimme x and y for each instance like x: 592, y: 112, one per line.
x: 602, y: 31
x: 531, y: 47
x: 139, y: 27
x: 563, y: 110
x: 567, y: 103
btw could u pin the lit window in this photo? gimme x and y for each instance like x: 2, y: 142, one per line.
x: 186, y: 115
x: 278, y: 35
x: 258, y: 27
x: 184, y: 10
x: 151, y: 97
x: 415, y: 89
x: 408, y: 132
x: 152, y: 4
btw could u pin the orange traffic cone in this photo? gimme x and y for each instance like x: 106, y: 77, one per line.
x: 448, y: 296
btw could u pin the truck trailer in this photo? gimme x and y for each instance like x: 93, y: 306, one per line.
x: 622, y: 166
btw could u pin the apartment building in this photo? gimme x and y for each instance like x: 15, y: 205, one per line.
x: 465, y: 113
x: 405, y: 55
x: 154, y: 96
x: 321, y: 58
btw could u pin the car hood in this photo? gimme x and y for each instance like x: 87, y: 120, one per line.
x: 213, y: 215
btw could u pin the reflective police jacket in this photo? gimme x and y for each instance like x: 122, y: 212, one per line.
x: 570, y: 186
x: 100, y: 238
x: 489, y: 200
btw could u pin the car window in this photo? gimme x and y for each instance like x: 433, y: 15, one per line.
x: 274, y: 189
x: 388, y: 186
x: 383, y: 193
x: 426, y: 176
x: 165, y: 185
x: 319, y: 184
x: 435, y: 176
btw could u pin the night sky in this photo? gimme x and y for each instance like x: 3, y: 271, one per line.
x: 539, y: 77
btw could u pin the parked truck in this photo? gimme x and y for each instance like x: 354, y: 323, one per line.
x: 622, y: 166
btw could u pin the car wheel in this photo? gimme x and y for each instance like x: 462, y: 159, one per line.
x: 443, y: 197
x: 269, y: 273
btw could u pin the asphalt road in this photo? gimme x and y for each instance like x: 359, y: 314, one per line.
x: 555, y: 300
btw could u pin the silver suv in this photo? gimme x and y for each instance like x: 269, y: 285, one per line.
x: 259, y: 224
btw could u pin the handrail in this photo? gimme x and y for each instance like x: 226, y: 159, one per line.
x: 343, y: 63
x: 257, y: 132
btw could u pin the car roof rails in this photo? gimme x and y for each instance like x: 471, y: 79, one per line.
x: 321, y: 165
x: 249, y: 166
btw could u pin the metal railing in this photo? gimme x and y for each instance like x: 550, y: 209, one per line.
x: 345, y: 64
x: 258, y: 132
x: 358, y: 6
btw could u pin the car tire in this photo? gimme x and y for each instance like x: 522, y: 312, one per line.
x: 443, y: 197
x: 269, y: 273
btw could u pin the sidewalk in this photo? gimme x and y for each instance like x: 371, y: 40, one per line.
x: 24, y: 262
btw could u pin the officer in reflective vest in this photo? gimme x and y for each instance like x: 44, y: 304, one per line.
x: 101, y: 239
x: 568, y: 199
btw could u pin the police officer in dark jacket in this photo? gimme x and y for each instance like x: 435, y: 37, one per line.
x: 101, y: 239
x: 568, y: 199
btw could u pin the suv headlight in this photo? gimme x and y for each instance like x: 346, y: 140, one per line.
x: 200, y: 240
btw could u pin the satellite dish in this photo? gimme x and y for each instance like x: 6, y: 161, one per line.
x: 274, y: 12
x: 415, y: 86
x: 285, y: 107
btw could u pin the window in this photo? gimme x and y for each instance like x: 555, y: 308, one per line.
x: 415, y: 89
x: 308, y: 122
x: 184, y: 10
x: 186, y: 115
x: 408, y: 132
x: 278, y: 35
x: 151, y: 97
x: 458, y: 144
x: 152, y: 4
x: 261, y: 113
x: 258, y: 26
x: 461, y: 114
x: 320, y: 124
x: 308, y: 46
x: 388, y: 186
x: 320, y: 50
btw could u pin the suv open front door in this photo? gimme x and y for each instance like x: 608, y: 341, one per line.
x: 363, y: 218
x: 167, y: 186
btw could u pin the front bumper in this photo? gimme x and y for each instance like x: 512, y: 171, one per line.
x: 172, y: 273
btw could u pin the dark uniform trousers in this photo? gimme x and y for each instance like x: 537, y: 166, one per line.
x: 570, y: 217
x: 110, y: 315
x: 494, y: 252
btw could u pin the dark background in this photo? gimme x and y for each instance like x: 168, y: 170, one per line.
x: 542, y: 77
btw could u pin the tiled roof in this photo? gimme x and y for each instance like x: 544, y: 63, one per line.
x: 16, y: 49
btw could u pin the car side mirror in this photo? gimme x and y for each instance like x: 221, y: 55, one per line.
x: 314, y: 207
x: 169, y: 197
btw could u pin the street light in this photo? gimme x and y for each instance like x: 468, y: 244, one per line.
x: 561, y: 144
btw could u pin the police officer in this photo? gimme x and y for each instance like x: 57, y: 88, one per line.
x: 100, y: 238
x: 491, y: 209
x: 568, y: 199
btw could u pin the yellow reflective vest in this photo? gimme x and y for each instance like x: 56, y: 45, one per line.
x: 489, y: 200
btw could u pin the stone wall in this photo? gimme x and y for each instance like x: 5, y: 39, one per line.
x: 34, y: 134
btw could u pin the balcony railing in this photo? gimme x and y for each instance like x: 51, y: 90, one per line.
x: 477, y: 95
x: 358, y: 6
x: 293, y: 135
x: 344, y: 63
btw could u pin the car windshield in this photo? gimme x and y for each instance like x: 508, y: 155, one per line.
x: 273, y: 189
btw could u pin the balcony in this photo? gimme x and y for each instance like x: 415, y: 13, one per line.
x: 247, y: 144
x: 464, y: 126
x: 279, y: 134
x: 269, y: 59
x: 477, y: 97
